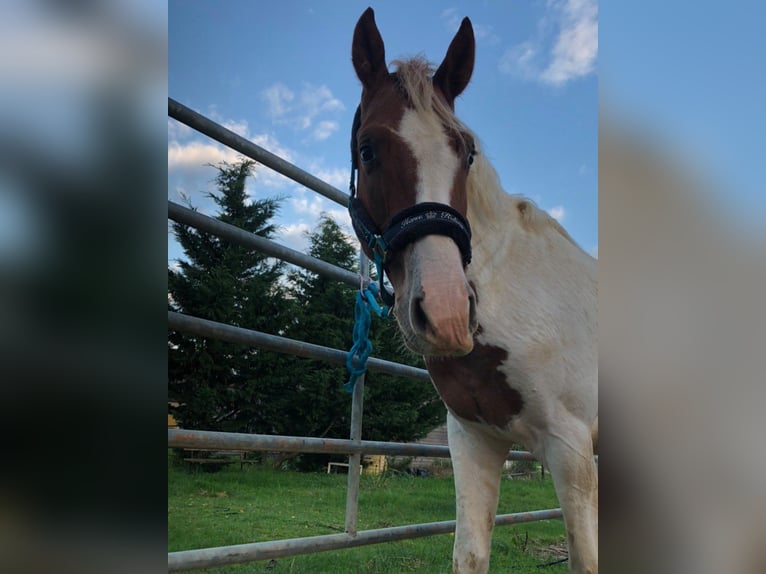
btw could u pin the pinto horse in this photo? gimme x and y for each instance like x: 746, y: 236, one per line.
x: 490, y: 289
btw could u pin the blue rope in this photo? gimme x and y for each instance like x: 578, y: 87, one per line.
x: 356, y: 360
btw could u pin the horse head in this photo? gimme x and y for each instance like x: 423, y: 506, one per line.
x: 409, y: 204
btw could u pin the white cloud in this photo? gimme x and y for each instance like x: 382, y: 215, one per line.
x: 177, y: 130
x: 483, y: 32
x: 576, y: 47
x: 451, y: 18
x: 278, y: 98
x: 294, y: 236
x: 196, y: 154
x: 565, y: 46
x: 271, y: 143
x: 304, y: 206
x: 190, y: 174
x: 337, y: 177
x: 318, y: 205
x: 558, y: 213
x: 320, y: 99
x: 239, y: 127
x: 302, y: 111
x: 325, y: 129
x: 189, y: 159
x: 520, y: 61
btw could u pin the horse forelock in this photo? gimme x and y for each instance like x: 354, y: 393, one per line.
x: 414, y: 77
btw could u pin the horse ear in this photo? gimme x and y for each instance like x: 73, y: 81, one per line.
x: 367, y: 52
x: 455, y: 71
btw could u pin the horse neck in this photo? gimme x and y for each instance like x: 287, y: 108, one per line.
x: 511, y: 232
x: 491, y: 212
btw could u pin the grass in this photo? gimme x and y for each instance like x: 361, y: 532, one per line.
x: 236, y: 506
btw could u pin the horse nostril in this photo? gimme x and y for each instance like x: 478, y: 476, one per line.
x: 418, y: 316
x: 472, y: 320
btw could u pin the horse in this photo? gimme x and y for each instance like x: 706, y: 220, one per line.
x: 491, y: 290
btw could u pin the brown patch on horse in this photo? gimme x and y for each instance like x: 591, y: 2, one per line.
x: 474, y: 388
x: 387, y: 184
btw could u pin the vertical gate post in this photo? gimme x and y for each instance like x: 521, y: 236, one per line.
x: 355, y: 460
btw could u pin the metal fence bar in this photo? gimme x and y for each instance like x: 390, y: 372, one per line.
x: 195, y: 439
x: 232, y: 233
x: 224, y: 332
x: 355, y: 459
x: 209, y: 557
x: 180, y: 112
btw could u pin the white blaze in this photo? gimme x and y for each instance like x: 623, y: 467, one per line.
x: 436, y: 161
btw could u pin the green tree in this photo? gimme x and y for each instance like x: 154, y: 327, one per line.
x: 324, y: 315
x: 219, y: 385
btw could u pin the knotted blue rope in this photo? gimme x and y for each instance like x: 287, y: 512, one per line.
x: 356, y: 360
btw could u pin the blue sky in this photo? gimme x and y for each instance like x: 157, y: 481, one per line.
x: 693, y: 76
x: 280, y: 74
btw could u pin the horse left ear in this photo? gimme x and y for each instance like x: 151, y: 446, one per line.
x: 455, y: 71
x: 368, y: 54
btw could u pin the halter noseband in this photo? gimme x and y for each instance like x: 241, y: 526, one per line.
x: 407, y: 226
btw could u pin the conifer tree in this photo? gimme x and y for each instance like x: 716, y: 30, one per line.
x: 219, y: 385
x: 324, y: 315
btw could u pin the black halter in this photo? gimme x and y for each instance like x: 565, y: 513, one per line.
x: 407, y: 226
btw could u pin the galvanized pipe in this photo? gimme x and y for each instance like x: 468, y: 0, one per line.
x: 224, y: 332
x: 182, y: 438
x: 239, y: 236
x: 355, y: 459
x: 209, y: 557
x: 180, y: 112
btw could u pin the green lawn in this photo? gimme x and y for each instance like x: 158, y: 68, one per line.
x: 236, y: 506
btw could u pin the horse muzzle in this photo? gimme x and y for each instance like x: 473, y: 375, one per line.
x: 441, y: 305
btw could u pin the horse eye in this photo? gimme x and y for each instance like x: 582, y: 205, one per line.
x: 469, y: 160
x: 366, y: 153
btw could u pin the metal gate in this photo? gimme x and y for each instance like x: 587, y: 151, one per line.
x: 355, y: 447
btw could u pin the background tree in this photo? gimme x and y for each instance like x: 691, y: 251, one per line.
x: 219, y: 385
x: 316, y: 404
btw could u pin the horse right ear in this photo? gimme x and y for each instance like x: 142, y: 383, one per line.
x: 367, y: 52
x: 455, y: 71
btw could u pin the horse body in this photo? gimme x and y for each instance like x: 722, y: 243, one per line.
x: 510, y: 339
x: 534, y: 368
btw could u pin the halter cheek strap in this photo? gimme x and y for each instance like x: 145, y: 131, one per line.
x: 407, y: 226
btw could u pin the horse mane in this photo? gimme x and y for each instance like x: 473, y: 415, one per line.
x: 414, y: 78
